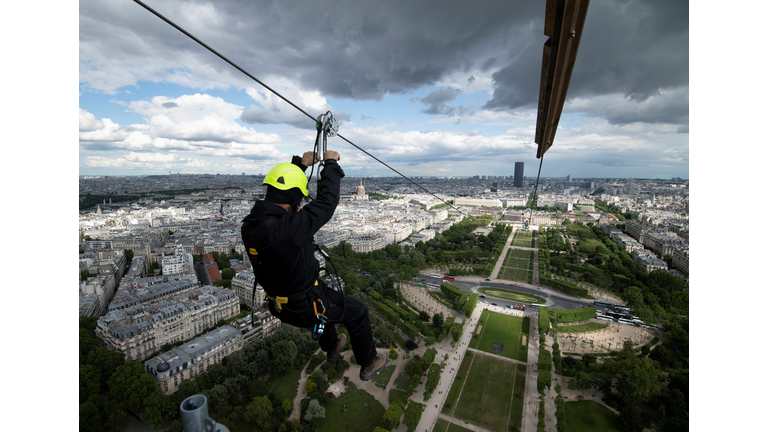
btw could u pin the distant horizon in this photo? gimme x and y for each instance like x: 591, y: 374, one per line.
x: 392, y: 176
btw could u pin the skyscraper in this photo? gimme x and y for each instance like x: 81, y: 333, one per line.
x: 519, y: 174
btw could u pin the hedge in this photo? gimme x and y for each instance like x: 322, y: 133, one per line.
x: 469, y: 306
x: 572, y: 315
x: 565, y: 286
x: 451, y: 291
x: 433, y: 377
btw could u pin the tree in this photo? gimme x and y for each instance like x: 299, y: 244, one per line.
x: 157, y: 407
x: 287, y: 405
x: 314, y: 410
x: 437, y: 321
x: 391, y: 418
x: 259, y: 412
x: 101, y: 414
x: 128, y: 255
x: 412, y: 415
x: 567, y: 222
x: 130, y: 385
x: 89, y: 382
x: 228, y: 273
x: 283, y: 352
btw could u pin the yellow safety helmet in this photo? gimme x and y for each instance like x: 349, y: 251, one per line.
x: 286, y: 176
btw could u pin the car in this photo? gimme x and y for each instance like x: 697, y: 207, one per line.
x: 488, y: 279
x: 494, y: 304
x: 482, y: 296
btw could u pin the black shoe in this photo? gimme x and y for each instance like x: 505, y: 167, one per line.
x: 334, y: 356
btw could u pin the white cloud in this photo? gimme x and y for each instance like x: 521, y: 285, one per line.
x: 199, y: 117
x: 271, y: 109
x: 199, y: 124
x: 88, y: 122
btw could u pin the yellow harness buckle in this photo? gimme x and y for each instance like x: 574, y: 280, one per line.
x: 279, y: 301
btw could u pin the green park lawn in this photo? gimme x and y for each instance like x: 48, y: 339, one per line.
x: 487, y: 395
x: 590, y: 416
x: 384, y: 376
x: 499, y: 329
x: 516, y: 416
x: 509, y: 273
x: 517, y: 263
x: 444, y: 426
x: 453, y: 394
x: 517, y: 253
x: 522, y: 353
x: 358, y: 417
x: 284, y: 387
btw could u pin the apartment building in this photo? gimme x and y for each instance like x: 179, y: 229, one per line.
x: 133, y: 292
x: 242, y: 285
x: 366, y: 242
x: 647, y: 261
x: 139, y: 330
x: 680, y: 259
x: 477, y: 202
x: 184, y: 362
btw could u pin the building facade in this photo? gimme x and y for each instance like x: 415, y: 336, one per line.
x: 184, y: 362
x: 139, y: 330
x: 519, y: 167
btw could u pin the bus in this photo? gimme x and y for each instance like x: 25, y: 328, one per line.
x: 450, y: 278
x: 604, y: 304
x: 431, y: 285
x: 535, y: 305
x: 625, y: 321
x: 621, y: 308
x: 605, y: 318
x: 435, y: 276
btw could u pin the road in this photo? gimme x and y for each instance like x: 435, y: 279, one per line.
x: 554, y: 298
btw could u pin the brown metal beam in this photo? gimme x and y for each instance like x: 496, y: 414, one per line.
x: 563, y: 24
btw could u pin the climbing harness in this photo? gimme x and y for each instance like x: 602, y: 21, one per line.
x: 319, y: 327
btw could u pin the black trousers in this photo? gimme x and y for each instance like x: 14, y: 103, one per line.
x: 340, y: 308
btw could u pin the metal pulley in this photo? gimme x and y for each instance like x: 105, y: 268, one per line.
x: 328, y: 126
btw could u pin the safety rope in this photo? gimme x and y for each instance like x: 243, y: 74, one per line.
x: 177, y: 27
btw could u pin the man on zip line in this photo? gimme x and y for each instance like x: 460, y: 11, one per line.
x: 278, y: 236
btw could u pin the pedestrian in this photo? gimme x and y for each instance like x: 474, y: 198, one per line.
x: 278, y: 236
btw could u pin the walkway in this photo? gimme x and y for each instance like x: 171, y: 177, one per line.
x: 531, y: 400
x: 502, y: 255
x: 434, y: 405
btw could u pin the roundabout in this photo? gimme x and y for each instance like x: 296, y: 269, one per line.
x: 511, y: 295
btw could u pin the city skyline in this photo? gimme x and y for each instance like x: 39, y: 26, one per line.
x: 448, y: 94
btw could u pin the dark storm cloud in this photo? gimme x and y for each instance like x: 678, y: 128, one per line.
x: 367, y: 49
x: 632, y: 47
x: 351, y: 49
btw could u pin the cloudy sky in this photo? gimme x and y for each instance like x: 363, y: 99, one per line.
x: 431, y: 87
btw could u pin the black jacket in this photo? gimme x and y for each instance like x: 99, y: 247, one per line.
x: 284, y: 241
